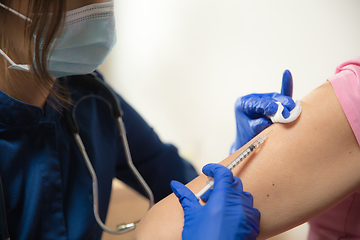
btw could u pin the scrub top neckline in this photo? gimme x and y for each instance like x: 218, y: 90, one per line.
x: 17, y: 113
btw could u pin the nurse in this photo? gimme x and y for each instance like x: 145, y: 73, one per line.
x: 47, y: 187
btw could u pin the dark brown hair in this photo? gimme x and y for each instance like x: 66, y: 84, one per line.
x: 47, y: 21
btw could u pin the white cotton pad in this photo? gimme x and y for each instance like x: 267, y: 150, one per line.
x: 294, y: 114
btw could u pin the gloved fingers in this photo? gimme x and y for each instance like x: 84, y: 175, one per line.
x: 238, y: 186
x: 259, y: 124
x: 223, y: 178
x: 247, y: 128
x: 260, y: 105
x: 237, y: 189
x: 246, y: 198
x: 255, y: 105
x: 205, y: 197
x: 186, y: 198
x: 253, y: 216
x: 269, y: 105
x: 286, y: 101
x: 251, y: 227
x: 244, y: 127
x: 287, y: 84
x: 218, y: 172
x: 250, y: 211
x: 285, y: 112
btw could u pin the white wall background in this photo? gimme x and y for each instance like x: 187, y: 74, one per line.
x: 182, y: 63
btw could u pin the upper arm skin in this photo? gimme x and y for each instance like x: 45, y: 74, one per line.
x: 302, y: 169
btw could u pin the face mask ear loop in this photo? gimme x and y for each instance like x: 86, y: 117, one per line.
x: 16, y: 13
x: 22, y: 67
x: 7, y: 58
x: 13, y: 64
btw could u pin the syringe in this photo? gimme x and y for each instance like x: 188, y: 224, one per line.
x: 234, y: 162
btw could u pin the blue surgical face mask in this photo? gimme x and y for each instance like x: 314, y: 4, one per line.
x: 86, y: 40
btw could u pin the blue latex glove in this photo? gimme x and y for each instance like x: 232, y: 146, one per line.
x: 228, y: 213
x: 252, y: 111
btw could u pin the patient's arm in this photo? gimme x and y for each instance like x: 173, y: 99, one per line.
x: 302, y: 169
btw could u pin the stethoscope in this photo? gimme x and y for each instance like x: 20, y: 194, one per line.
x: 91, y: 82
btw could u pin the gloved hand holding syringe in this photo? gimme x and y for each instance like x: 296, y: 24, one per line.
x: 251, y: 148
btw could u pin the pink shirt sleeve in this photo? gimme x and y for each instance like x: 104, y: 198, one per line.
x: 343, y: 220
x: 346, y: 83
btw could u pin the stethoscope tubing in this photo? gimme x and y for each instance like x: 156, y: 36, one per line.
x: 122, y: 228
x: 112, y: 101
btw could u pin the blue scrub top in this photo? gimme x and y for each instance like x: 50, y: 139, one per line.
x: 47, y: 186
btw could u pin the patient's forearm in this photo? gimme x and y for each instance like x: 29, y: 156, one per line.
x: 302, y: 169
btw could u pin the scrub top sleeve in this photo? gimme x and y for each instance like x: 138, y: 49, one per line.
x: 158, y: 163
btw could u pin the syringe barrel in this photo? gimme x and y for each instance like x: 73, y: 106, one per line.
x: 246, y: 152
x: 234, y: 162
x: 259, y: 141
x: 239, y: 158
x: 209, y: 185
